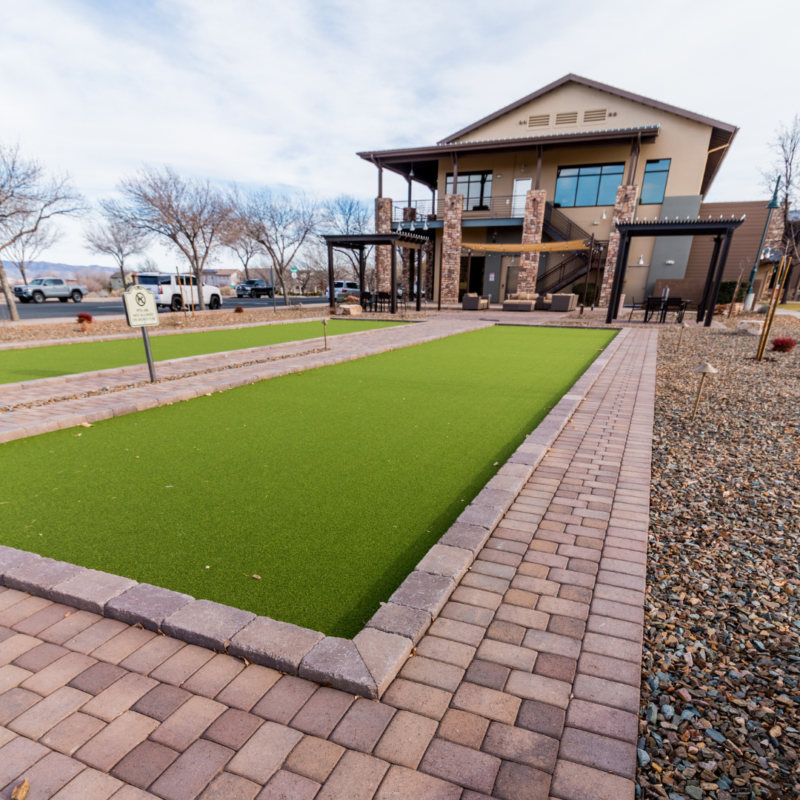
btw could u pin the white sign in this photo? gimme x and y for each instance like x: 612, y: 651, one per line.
x: 140, y: 307
x: 491, y: 277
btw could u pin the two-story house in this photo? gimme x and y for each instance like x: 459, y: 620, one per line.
x: 561, y: 164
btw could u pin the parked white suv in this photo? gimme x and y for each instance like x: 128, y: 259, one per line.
x: 344, y: 289
x: 176, y: 291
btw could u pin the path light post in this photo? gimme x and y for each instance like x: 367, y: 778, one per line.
x: 325, y: 332
x: 704, y: 369
x: 773, y: 204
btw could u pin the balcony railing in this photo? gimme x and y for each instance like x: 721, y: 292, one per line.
x: 504, y: 207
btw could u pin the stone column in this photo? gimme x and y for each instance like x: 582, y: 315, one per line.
x: 532, y: 225
x: 383, y: 224
x: 409, y: 215
x: 451, y: 247
x: 624, y: 211
x: 429, y: 269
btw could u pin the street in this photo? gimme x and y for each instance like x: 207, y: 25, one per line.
x: 102, y: 308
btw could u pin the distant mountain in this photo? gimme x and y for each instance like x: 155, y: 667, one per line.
x: 37, y: 268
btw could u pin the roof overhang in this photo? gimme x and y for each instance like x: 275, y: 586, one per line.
x: 358, y: 240
x: 680, y: 227
x: 425, y: 160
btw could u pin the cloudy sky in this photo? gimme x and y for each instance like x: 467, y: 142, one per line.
x: 284, y: 93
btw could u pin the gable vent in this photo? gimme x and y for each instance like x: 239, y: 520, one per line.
x: 567, y: 118
x: 540, y: 121
x: 598, y: 115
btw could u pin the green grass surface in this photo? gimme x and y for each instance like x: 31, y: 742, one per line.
x: 65, y: 359
x: 330, y: 484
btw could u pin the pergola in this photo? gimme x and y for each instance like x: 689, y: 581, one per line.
x: 721, y: 229
x: 360, y: 241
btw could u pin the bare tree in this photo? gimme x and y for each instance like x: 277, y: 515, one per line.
x: 27, y: 249
x: 348, y: 215
x: 114, y: 237
x: 281, y: 225
x: 29, y: 197
x: 190, y: 215
x: 786, y: 147
x: 237, y: 240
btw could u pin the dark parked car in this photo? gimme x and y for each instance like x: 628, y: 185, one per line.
x: 254, y: 288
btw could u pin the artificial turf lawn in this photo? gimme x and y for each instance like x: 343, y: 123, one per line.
x: 330, y: 484
x: 65, y: 359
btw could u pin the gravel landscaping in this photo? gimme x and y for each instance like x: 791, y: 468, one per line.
x: 721, y: 658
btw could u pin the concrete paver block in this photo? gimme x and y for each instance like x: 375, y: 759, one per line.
x: 39, y: 576
x: 424, y: 591
x: 451, y: 562
x: 402, y: 620
x: 147, y: 604
x: 11, y: 558
x: 90, y: 590
x: 338, y: 662
x: 274, y: 644
x: 207, y: 624
x: 467, y: 537
x: 383, y: 653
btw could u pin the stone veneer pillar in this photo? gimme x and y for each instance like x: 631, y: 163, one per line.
x: 624, y: 210
x: 409, y: 215
x: 429, y: 269
x: 451, y: 248
x: 532, y: 225
x: 383, y: 254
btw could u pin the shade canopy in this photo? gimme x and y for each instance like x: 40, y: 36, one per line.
x: 542, y: 247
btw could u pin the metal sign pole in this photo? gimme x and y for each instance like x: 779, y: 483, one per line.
x: 146, y: 337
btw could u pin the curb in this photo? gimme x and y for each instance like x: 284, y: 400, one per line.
x: 365, y: 665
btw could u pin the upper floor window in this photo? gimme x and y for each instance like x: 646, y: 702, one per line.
x: 588, y: 186
x: 476, y: 188
x: 655, y: 181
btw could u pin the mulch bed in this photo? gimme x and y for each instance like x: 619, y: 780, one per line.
x: 721, y: 657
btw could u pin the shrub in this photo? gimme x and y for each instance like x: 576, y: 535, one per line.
x: 85, y: 318
x: 726, y: 290
x: 762, y: 309
x: 783, y: 344
x: 238, y: 310
x: 590, y: 293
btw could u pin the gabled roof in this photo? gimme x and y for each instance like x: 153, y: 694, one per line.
x: 603, y: 87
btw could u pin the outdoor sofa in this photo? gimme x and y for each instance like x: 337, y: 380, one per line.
x: 543, y: 302
x: 520, y: 301
x: 474, y: 302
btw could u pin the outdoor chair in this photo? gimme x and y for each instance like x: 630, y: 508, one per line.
x: 568, y: 301
x: 652, y: 306
x: 543, y: 302
x: 366, y: 301
x: 474, y: 302
x: 674, y: 305
x: 382, y: 301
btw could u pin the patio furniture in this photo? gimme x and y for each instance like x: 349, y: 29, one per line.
x: 652, y: 306
x: 543, y: 302
x: 520, y: 301
x: 475, y: 302
x: 564, y: 302
x: 367, y: 301
x: 382, y: 301
x: 674, y: 305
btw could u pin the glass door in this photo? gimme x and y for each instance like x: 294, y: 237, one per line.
x: 521, y: 188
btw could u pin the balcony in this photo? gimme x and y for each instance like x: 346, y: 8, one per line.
x: 504, y: 207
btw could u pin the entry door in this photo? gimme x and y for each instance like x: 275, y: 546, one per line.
x: 512, y: 278
x: 521, y: 188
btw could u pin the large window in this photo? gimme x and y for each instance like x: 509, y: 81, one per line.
x: 588, y: 186
x: 476, y: 188
x: 655, y: 181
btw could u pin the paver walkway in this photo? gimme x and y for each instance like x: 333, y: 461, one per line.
x: 526, y: 687
x: 24, y: 422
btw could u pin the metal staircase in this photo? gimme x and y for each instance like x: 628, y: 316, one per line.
x: 559, y: 227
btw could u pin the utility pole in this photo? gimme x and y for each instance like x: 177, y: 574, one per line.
x: 750, y: 298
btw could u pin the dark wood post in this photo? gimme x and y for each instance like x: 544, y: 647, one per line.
x: 538, y: 167
x: 588, y: 269
x: 622, y: 258
x: 411, y: 265
x: 723, y: 258
x: 455, y: 172
x: 393, y: 287
x: 420, y: 279
x: 380, y: 181
x: 712, y: 268
x: 469, y: 269
x: 441, y: 259
x: 331, y: 289
x: 621, y: 275
x: 362, y: 270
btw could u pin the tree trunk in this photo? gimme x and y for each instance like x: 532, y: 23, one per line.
x: 12, y: 305
x: 122, y: 274
x: 198, y: 274
x: 283, y: 286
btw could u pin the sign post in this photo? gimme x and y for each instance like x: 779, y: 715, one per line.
x: 141, y: 312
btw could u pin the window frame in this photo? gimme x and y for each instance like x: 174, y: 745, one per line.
x: 579, y: 167
x: 643, y: 202
x: 484, y: 198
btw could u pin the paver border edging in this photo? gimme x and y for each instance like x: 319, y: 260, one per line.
x: 365, y: 665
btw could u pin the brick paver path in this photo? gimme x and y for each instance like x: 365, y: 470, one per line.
x: 526, y: 687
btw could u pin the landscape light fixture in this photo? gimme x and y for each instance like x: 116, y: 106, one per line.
x: 425, y: 226
x: 640, y: 262
x: 603, y: 215
x: 704, y: 369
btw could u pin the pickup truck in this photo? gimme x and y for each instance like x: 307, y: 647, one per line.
x: 41, y: 289
x: 254, y: 288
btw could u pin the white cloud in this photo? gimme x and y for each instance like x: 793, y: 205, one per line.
x: 284, y: 94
